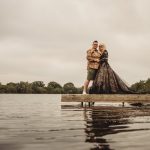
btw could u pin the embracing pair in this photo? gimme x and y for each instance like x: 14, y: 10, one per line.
x: 104, y: 78
x: 93, y: 57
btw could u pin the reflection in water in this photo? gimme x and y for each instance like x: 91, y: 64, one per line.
x: 101, y: 121
x: 35, y: 122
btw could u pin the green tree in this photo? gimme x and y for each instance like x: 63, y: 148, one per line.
x: 139, y: 86
x: 69, y: 88
x: 2, y: 88
x: 24, y: 87
x: 54, y: 88
x: 147, y: 85
x: 79, y: 90
x: 38, y: 87
x: 11, y: 87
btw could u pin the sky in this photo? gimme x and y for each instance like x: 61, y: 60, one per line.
x: 47, y: 40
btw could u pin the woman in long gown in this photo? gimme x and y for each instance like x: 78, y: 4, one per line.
x: 107, y: 80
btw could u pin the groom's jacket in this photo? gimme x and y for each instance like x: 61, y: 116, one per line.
x: 93, y: 57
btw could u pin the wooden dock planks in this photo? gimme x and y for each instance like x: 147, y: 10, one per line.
x: 143, y: 98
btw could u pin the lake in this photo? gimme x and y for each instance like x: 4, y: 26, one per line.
x: 41, y: 122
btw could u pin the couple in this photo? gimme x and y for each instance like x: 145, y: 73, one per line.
x: 104, y: 78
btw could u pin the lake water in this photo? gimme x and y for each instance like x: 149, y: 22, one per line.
x: 40, y: 122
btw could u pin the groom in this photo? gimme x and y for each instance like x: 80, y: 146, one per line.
x: 93, y: 58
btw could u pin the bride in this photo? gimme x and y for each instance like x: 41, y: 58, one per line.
x: 106, y: 79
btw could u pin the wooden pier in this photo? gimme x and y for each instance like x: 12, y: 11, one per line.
x: 130, y: 98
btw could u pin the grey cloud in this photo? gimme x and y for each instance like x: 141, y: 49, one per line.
x: 48, y: 39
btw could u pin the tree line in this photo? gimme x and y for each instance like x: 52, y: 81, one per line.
x: 38, y: 87
x: 143, y: 86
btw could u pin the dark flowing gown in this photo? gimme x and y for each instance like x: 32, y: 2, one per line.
x: 107, y: 80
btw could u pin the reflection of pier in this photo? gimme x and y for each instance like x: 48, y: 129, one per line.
x: 105, y: 120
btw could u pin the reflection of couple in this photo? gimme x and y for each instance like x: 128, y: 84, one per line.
x: 104, y: 78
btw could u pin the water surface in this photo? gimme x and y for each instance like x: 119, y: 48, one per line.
x: 39, y: 122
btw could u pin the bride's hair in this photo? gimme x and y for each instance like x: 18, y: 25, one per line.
x: 102, y: 45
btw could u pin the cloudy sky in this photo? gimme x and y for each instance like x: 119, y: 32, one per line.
x: 46, y: 40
